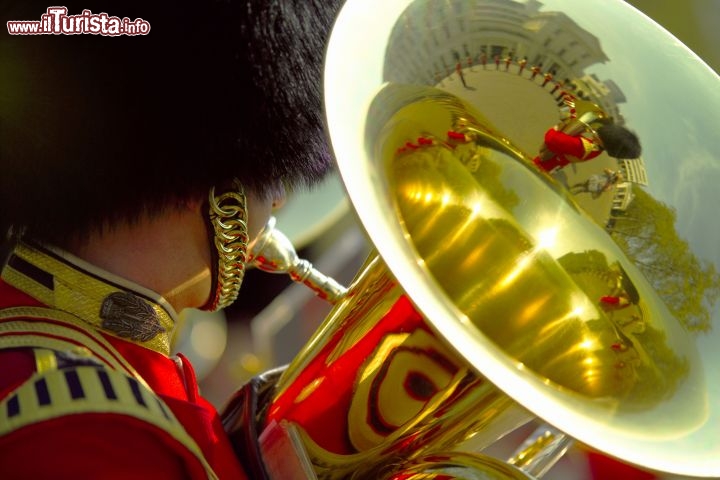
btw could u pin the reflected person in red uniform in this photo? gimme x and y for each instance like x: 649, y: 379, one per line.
x: 561, y: 149
x: 135, y: 171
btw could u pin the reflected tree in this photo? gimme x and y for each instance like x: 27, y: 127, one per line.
x: 642, y: 364
x: 662, y: 371
x: 689, y: 286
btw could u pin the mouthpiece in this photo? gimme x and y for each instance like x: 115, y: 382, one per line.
x: 273, y: 252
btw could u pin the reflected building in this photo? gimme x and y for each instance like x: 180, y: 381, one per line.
x: 633, y: 172
x: 621, y: 200
x: 560, y: 45
x: 435, y: 40
x: 458, y: 31
x: 606, y: 94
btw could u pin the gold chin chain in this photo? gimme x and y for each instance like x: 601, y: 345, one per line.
x: 228, y: 217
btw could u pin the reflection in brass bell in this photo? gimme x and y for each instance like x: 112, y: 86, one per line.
x: 495, y: 283
x: 658, y: 244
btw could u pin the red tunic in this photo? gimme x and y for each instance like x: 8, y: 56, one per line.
x: 563, y: 146
x: 108, y: 445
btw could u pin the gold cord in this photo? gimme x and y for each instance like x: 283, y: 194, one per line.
x: 228, y: 217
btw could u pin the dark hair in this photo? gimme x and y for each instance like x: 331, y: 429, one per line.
x: 97, y: 129
x: 619, y: 142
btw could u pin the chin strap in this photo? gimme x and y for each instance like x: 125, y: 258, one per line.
x: 228, y: 220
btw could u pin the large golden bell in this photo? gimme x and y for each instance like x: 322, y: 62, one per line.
x: 598, y: 315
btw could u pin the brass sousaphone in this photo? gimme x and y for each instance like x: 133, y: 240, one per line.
x: 498, y: 293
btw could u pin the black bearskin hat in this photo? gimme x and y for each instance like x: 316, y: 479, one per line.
x: 619, y: 142
x: 99, y: 128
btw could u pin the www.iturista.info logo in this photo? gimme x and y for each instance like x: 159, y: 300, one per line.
x: 56, y: 21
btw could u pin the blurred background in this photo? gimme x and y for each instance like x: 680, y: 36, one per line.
x: 273, y: 318
x: 694, y: 22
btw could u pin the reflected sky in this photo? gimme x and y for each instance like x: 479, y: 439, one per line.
x: 674, y: 106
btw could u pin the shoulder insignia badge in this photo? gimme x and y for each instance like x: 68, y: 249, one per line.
x: 128, y: 316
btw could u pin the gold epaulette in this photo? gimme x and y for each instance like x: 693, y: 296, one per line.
x: 86, y: 389
x: 588, y: 147
x: 47, y: 328
x: 99, y: 381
